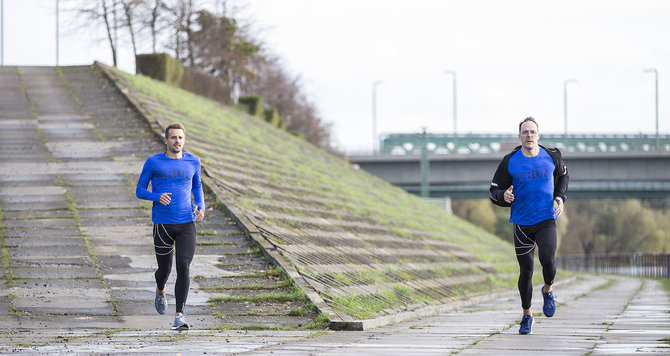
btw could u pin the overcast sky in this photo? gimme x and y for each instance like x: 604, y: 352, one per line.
x: 511, y: 60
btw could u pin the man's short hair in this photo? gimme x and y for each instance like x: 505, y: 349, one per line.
x: 531, y: 119
x: 175, y: 125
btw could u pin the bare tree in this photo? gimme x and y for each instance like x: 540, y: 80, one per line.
x: 180, y: 23
x: 152, y: 21
x: 188, y: 31
x: 112, y: 39
x: 130, y: 12
x: 95, y: 13
x: 284, y: 92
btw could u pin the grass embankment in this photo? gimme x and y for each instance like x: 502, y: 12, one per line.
x: 367, y: 247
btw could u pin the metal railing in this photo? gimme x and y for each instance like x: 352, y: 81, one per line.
x: 652, y: 265
x: 438, y: 144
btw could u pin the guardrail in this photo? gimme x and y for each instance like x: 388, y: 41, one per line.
x: 444, y: 144
x: 652, y: 265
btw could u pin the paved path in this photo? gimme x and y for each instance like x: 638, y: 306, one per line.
x: 600, y: 315
x: 596, y: 315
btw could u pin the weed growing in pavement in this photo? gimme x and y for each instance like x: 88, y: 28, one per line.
x: 665, y: 282
x: 252, y: 251
x: 283, y: 284
x: 207, y: 232
x: 8, y: 276
x: 609, y: 283
x: 320, y: 322
x: 317, y: 334
x: 112, y: 331
x: 175, y: 338
x: 215, y: 243
x: 264, y: 327
x: 129, y: 180
x: 284, y: 297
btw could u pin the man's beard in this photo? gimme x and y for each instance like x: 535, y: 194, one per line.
x: 174, y: 150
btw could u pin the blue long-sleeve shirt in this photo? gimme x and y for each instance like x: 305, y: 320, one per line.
x: 181, y: 177
x: 533, y: 182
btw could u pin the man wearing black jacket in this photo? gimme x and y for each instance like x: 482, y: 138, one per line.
x: 532, y: 180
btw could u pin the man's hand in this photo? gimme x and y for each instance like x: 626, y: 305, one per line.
x: 165, y: 198
x: 200, y: 214
x: 508, y: 196
x: 559, y: 206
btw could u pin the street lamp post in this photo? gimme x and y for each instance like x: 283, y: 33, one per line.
x: 374, y: 114
x: 653, y: 70
x: 453, y: 73
x: 2, y: 32
x: 565, y: 103
x: 57, y: 6
x: 424, y: 166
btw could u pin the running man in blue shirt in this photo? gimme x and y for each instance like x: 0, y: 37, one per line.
x: 532, y: 180
x: 174, y: 176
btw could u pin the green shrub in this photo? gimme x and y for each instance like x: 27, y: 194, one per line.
x: 253, y: 103
x: 162, y: 67
x: 272, y: 117
x: 282, y: 123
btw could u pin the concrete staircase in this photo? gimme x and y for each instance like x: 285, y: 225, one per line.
x: 76, y: 242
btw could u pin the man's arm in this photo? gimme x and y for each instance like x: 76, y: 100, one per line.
x: 198, y: 195
x: 145, y: 177
x: 499, y: 185
x: 561, y: 187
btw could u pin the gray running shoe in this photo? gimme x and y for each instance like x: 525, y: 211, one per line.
x: 180, y: 323
x: 161, y: 303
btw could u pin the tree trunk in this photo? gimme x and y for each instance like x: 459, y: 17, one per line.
x: 189, y: 33
x: 127, y: 9
x: 112, y: 44
x: 153, y: 23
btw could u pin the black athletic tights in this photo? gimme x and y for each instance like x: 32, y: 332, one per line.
x: 525, y: 238
x: 167, y: 238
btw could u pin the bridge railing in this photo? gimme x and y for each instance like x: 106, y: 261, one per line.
x: 652, y: 265
x: 403, y: 144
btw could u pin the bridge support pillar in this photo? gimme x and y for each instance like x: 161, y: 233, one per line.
x: 425, y: 166
x: 447, y: 205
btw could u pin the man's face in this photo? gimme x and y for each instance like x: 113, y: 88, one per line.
x: 175, y: 140
x: 529, y: 135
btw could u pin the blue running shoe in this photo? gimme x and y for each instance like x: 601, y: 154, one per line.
x: 180, y: 323
x: 526, y: 324
x: 549, y: 307
x: 161, y: 303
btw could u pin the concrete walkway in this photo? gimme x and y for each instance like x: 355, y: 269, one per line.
x: 596, y: 315
x: 599, y: 315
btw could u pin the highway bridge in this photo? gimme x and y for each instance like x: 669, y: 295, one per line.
x: 600, y: 166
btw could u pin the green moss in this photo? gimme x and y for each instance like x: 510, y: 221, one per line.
x: 342, y: 278
x: 360, y: 306
x: 414, y: 296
